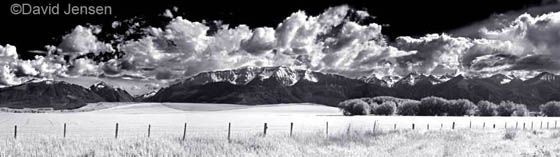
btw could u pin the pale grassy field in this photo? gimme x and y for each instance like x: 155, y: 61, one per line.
x: 391, y: 143
x: 92, y: 133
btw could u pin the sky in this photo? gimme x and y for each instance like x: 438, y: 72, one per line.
x: 171, y: 39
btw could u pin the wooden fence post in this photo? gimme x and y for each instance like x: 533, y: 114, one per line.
x: 15, y: 131
x: 64, y: 134
x: 453, y: 126
x: 149, y: 130
x: 291, y: 128
x: 470, y: 124
x: 264, y: 129
x: 555, y: 124
x: 327, y: 129
x: 395, y: 126
x: 541, y: 125
x: 493, y: 126
x: 428, y: 126
x: 531, y: 125
x: 116, y: 130
x: 374, y: 126
x: 547, y: 124
x: 229, y: 132
x: 516, y: 123
x: 184, y: 131
x: 441, y: 127
x: 483, y: 125
x: 412, y: 126
x: 523, y: 125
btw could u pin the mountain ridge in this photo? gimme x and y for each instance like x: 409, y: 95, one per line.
x: 272, y: 85
x: 284, y: 85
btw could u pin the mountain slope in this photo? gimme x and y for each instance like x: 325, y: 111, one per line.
x: 47, y: 94
x: 110, y: 93
x: 265, y: 85
x: 269, y: 85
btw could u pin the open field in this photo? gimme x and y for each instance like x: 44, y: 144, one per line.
x: 392, y: 143
x: 93, y: 132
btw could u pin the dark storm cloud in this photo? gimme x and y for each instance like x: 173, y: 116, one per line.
x: 537, y: 62
x: 492, y: 61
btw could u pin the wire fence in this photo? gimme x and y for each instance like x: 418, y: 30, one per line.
x: 229, y: 130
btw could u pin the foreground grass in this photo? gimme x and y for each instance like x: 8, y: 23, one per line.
x: 392, y: 143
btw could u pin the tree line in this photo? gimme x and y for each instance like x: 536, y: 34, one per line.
x: 436, y: 106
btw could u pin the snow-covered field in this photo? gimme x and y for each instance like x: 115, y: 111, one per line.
x: 90, y: 131
x: 213, y: 119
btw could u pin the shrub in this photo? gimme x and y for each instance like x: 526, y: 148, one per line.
x: 487, y: 108
x: 382, y: 99
x: 461, y: 107
x: 408, y: 108
x: 430, y: 106
x: 354, y: 107
x: 510, y: 134
x: 372, y: 106
x: 520, y: 110
x: 551, y: 109
x: 509, y: 108
x: 387, y: 108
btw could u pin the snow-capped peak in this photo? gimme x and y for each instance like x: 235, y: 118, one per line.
x: 410, y: 79
x: 373, y: 79
x: 501, y: 78
x: 391, y: 79
x: 413, y: 79
x: 100, y: 84
x: 309, y: 76
x: 287, y: 76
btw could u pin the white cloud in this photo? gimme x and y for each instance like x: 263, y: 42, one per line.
x: 327, y: 42
x: 168, y: 13
x: 82, y: 40
x: 8, y: 51
x: 435, y: 54
x: 262, y: 41
x: 7, y: 77
x: 83, y: 66
x: 535, y: 35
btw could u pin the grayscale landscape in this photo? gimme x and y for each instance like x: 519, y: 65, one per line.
x: 333, y: 78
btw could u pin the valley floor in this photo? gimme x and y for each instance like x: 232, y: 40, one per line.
x: 91, y: 131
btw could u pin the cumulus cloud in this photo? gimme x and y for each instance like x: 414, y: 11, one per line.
x: 528, y: 43
x: 435, y: 53
x: 82, y: 40
x: 8, y: 51
x: 335, y: 41
x: 7, y: 77
x: 261, y: 41
x: 14, y: 70
x: 501, y: 20
x: 326, y: 42
x: 534, y: 40
x: 331, y: 42
x: 83, y: 66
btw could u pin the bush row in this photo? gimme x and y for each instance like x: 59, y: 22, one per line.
x: 436, y: 106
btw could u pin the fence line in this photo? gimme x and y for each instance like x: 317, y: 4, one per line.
x: 376, y: 127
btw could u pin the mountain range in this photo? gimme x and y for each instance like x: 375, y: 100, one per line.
x: 271, y: 85
x: 59, y: 95
x: 268, y: 85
